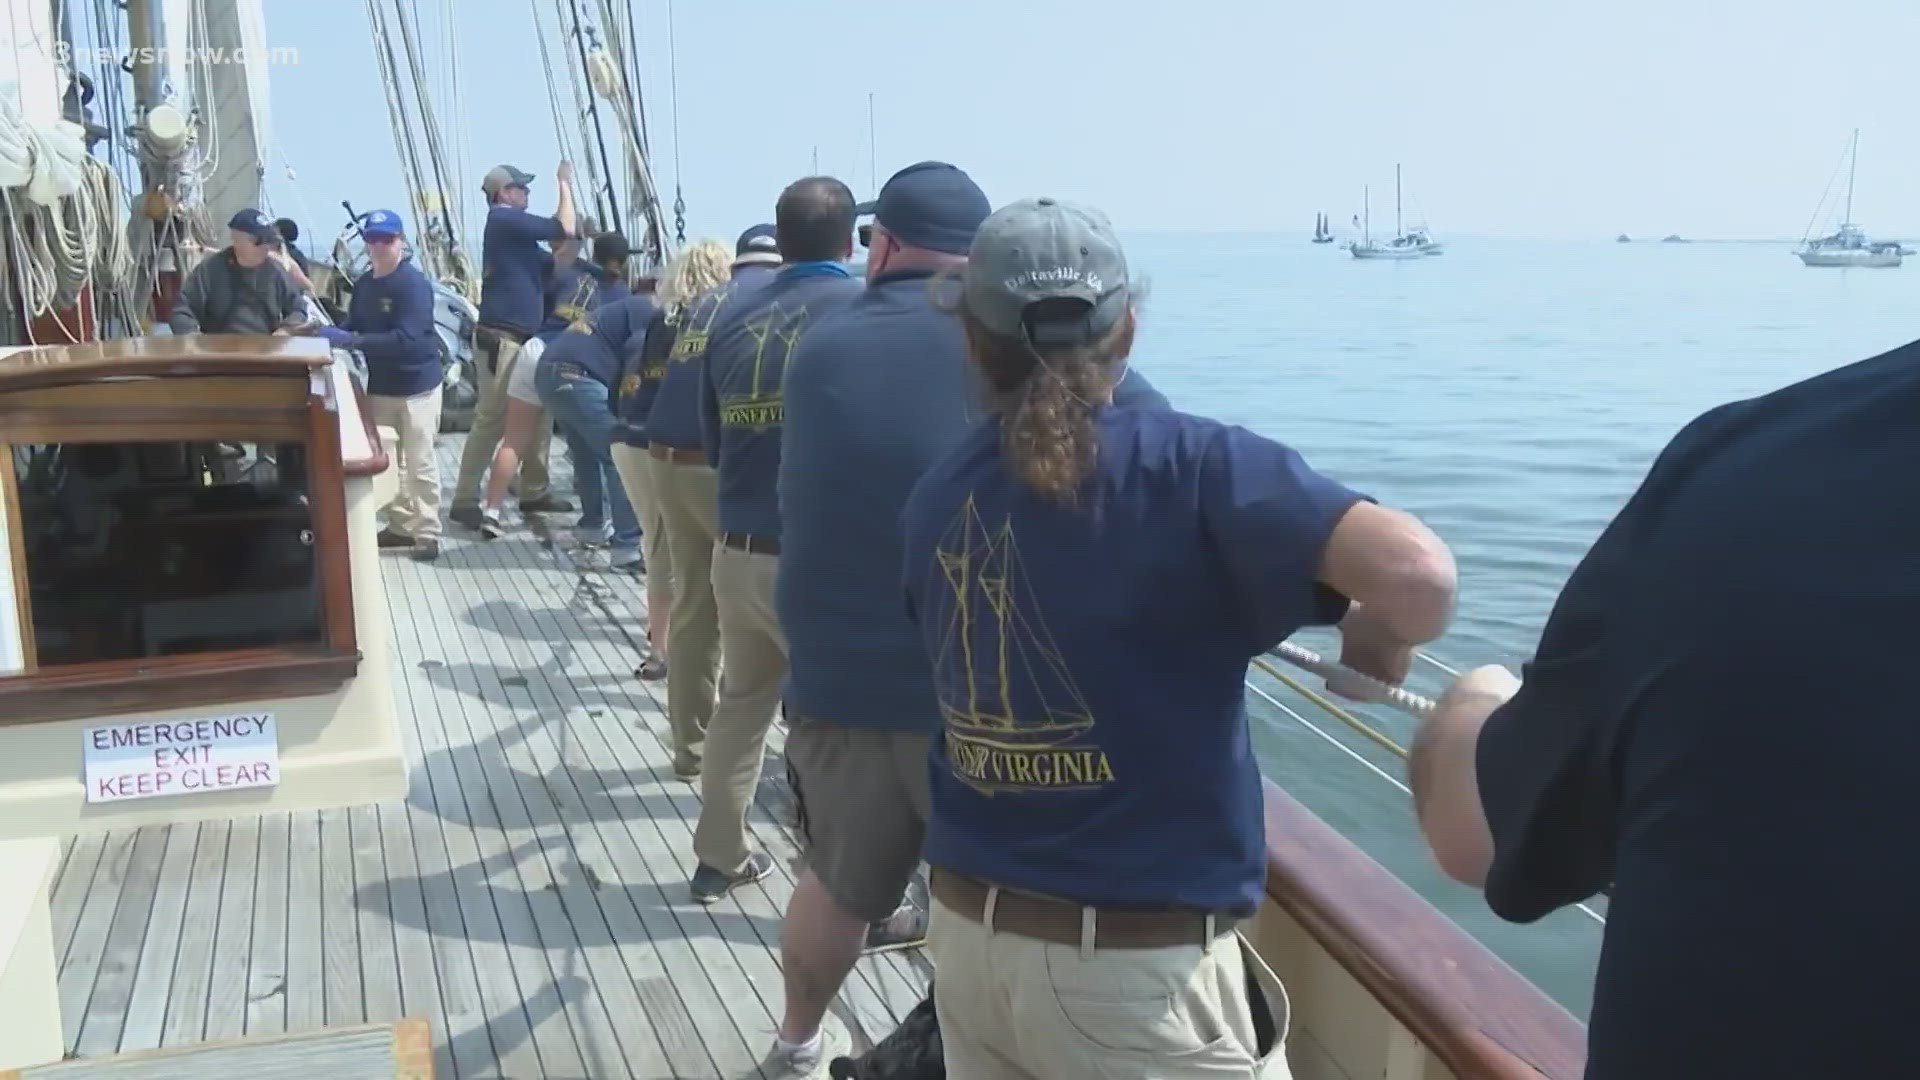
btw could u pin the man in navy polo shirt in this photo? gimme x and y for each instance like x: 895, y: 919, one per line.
x: 390, y: 321
x: 687, y: 489
x: 512, y: 305
x: 1749, y: 798
x: 742, y: 415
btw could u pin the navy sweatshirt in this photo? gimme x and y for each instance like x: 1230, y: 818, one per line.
x: 640, y: 379
x: 599, y: 349
x: 674, y: 419
x: 392, y: 322
x: 574, y: 290
x: 741, y: 403
x: 875, y: 395
x: 514, y: 268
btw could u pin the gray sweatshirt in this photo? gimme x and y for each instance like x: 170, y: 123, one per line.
x: 222, y: 297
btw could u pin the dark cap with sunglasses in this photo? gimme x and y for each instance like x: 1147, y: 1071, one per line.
x: 930, y: 205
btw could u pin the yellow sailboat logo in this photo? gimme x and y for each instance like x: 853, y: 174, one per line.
x: 994, y: 648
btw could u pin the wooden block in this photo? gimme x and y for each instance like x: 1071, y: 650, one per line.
x: 397, y: 1051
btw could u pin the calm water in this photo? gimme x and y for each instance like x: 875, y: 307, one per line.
x: 1510, y: 393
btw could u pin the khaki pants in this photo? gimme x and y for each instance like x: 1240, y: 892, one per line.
x: 688, y: 497
x: 495, y: 356
x: 753, y: 664
x: 415, y: 509
x: 1017, y: 1008
x: 636, y: 476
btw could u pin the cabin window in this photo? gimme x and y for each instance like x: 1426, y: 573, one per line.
x: 169, y: 562
x: 142, y: 550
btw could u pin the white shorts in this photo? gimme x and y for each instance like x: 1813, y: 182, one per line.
x: 525, y: 363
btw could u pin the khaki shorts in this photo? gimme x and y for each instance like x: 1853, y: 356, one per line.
x: 863, y: 809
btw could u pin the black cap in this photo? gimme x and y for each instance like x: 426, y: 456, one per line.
x: 611, y: 245
x: 254, y: 224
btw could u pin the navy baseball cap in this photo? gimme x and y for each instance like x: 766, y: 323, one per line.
x: 382, y: 223
x: 254, y: 224
x: 932, y: 205
x: 756, y: 245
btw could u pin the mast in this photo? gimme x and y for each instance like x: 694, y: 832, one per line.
x: 873, y: 175
x: 1853, y: 162
x: 1397, y: 230
x: 1366, y: 216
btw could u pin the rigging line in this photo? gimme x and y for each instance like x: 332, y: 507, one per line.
x: 396, y: 105
x: 611, y: 208
x: 462, y: 148
x: 1337, y: 744
x: 673, y: 95
x: 553, y: 89
x: 1361, y: 727
x: 435, y: 151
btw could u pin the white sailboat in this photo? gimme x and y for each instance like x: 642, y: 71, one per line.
x: 1415, y: 243
x: 1849, y: 245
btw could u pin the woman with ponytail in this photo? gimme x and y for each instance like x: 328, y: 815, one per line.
x: 1090, y: 581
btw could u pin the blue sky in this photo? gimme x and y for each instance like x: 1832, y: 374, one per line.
x: 1514, y: 117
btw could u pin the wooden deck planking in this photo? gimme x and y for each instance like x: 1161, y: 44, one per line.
x: 528, y: 897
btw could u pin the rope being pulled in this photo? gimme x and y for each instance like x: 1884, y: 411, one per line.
x: 1393, y: 697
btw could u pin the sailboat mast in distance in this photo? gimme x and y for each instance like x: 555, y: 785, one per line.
x: 1853, y: 164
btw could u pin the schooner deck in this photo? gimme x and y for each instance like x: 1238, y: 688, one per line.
x: 529, y: 896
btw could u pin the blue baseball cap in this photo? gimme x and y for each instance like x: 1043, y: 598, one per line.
x: 382, y: 223
x: 756, y: 245
x: 932, y: 205
x: 254, y: 224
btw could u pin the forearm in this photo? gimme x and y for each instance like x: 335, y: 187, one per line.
x: 563, y: 213
x: 1444, y: 777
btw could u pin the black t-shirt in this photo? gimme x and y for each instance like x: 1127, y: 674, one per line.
x: 1719, y: 721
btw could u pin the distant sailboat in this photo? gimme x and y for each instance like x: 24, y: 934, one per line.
x: 1321, y: 233
x: 1848, y: 245
x: 1414, y: 243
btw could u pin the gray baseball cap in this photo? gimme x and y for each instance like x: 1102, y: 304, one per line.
x: 501, y: 177
x: 1043, y: 249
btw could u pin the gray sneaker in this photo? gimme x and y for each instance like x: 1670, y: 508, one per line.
x: 783, y: 1063
x: 709, y: 885
x: 906, y: 928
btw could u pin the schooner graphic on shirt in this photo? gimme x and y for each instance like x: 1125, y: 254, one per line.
x: 1015, y: 719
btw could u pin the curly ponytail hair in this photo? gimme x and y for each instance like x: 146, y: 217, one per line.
x: 1045, y: 399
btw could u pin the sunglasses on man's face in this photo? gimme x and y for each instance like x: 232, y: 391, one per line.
x: 866, y: 234
x: 381, y: 238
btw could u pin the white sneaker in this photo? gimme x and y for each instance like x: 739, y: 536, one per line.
x: 785, y: 1063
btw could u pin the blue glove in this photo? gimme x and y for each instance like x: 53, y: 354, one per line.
x: 337, y: 336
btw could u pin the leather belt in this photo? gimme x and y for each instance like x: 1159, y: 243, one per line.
x: 516, y: 336
x: 1064, y: 922
x: 752, y: 545
x: 676, y: 454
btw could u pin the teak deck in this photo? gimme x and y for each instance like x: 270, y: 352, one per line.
x: 529, y: 898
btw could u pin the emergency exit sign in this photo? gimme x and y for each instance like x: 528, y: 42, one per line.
x: 151, y: 758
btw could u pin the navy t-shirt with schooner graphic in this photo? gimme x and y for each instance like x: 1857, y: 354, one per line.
x: 875, y: 395
x: 674, y: 417
x: 1090, y: 660
x: 741, y: 404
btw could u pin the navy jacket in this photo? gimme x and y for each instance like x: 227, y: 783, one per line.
x: 640, y: 379
x: 392, y: 322
x: 674, y: 419
x: 598, y: 343
x: 740, y: 398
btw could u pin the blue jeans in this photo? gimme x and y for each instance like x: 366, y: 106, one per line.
x: 582, y: 407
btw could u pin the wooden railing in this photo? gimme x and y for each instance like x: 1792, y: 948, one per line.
x: 1481, y: 1018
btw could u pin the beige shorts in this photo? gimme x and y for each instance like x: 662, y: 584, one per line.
x: 864, y: 805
